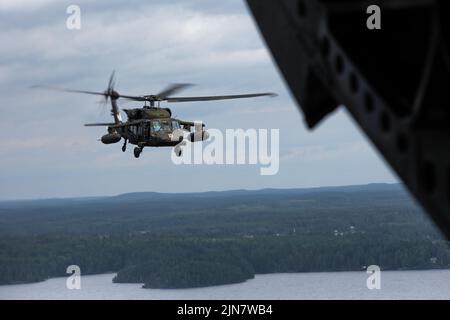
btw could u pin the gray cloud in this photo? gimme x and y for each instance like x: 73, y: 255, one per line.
x: 45, y: 151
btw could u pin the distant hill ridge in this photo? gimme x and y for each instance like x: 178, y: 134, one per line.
x: 152, y: 195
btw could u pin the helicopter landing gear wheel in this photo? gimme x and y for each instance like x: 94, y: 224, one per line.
x: 137, y: 152
x: 124, y: 147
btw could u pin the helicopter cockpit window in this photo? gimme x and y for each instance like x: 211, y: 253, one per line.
x: 175, y: 125
x: 165, y: 125
x: 158, y: 125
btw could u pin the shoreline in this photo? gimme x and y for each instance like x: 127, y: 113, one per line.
x: 142, y: 284
x: 345, y: 285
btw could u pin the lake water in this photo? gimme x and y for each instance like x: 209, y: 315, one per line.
x: 431, y: 284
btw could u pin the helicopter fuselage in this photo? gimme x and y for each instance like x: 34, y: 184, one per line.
x: 147, y: 133
x: 152, y: 127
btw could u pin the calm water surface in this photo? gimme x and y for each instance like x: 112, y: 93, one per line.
x: 431, y: 284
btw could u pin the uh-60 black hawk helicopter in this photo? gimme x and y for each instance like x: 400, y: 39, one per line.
x: 151, y: 125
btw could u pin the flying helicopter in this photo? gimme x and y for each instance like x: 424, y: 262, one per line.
x: 152, y: 125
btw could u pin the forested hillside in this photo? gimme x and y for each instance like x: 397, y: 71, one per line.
x: 201, y: 239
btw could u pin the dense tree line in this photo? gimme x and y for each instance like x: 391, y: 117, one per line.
x: 167, y: 262
x: 227, y: 238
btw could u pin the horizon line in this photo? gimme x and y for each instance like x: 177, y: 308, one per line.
x: 195, y: 192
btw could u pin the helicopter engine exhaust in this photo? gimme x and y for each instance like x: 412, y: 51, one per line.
x: 198, y: 136
x: 110, y: 138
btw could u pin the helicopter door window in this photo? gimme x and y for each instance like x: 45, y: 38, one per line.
x: 147, y: 130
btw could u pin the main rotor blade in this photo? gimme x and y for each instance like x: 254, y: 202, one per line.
x: 210, y: 98
x: 172, y: 89
x: 98, y: 124
x: 70, y: 90
x: 136, y: 98
x: 112, y: 81
x: 162, y: 96
x: 105, y: 94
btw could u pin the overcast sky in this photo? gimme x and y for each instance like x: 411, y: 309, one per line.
x: 46, y: 152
